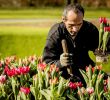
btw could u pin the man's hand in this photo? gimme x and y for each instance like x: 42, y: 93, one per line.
x: 66, y: 59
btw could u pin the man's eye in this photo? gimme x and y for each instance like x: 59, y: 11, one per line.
x: 69, y: 26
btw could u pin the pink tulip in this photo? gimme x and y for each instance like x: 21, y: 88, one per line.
x: 79, y: 84
x: 81, y: 91
x: 90, y: 90
x: 41, y: 66
x: 25, y: 90
x: 2, y: 79
x: 87, y: 68
x: 52, y: 68
x: 32, y: 58
x: 53, y: 81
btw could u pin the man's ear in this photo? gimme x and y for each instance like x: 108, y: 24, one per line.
x: 63, y: 19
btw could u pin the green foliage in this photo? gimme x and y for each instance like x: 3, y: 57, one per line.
x: 95, y: 86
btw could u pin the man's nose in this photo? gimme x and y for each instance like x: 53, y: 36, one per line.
x: 75, y: 28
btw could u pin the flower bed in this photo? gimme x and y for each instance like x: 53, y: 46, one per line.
x: 30, y: 79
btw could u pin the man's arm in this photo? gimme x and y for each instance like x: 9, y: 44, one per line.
x: 52, y: 49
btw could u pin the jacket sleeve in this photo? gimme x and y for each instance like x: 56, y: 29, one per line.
x: 52, y: 49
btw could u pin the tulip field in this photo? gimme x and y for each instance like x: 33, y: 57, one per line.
x: 32, y: 79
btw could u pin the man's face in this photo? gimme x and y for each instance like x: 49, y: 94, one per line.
x: 73, y: 22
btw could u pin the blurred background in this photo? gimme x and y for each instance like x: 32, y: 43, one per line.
x: 24, y: 24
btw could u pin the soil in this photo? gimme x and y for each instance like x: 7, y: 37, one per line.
x: 100, y: 52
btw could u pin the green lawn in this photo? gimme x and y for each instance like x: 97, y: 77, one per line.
x: 31, y: 13
x: 53, y: 13
x: 22, y: 41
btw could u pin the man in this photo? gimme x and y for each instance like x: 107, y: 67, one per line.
x: 80, y: 35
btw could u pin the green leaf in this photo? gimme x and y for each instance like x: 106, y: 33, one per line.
x: 89, y: 72
x: 107, y: 95
x: 105, y: 39
x: 71, y: 97
x: 46, y: 93
x: 84, y: 76
x: 61, y: 86
x: 94, y: 79
x: 101, y: 32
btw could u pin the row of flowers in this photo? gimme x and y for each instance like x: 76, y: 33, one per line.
x: 30, y: 79
x: 104, y: 35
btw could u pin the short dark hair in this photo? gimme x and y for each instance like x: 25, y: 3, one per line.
x: 75, y: 7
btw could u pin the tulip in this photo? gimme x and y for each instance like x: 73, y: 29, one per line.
x: 90, y: 90
x: 25, y: 90
x: 103, y: 20
x: 53, y: 81
x: 2, y: 79
x: 25, y: 69
x: 79, y: 84
x: 41, y: 66
x: 73, y: 85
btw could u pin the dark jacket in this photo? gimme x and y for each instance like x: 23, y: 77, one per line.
x: 86, y: 39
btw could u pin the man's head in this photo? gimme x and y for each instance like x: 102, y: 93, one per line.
x: 73, y: 18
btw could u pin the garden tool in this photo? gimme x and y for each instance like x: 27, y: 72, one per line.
x: 65, y: 50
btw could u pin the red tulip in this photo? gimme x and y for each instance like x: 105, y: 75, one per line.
x: 103, y: 20
x: 73, y: 85
x: 105, y: 89
x: 107, y: 29
x: 25, y: 69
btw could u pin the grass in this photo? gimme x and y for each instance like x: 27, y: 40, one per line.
x: 22, y: 41
x: 31, y: 13
x: 96, y: 13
